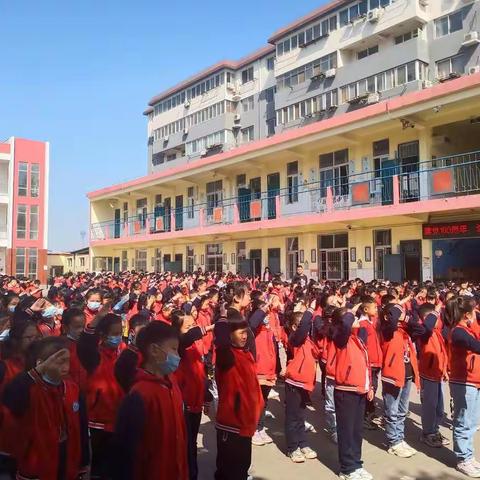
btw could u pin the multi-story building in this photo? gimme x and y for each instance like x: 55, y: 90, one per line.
x: 24, y: 174
x: 348, y: 145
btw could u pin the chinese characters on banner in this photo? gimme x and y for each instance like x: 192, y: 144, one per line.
x: 451, y: 230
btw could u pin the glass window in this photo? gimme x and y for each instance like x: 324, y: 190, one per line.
x: 22, y: 179
x: 333, y: 23
x: 20, y: 262
x: 21, y: 221
x: 344, y: 17
x: 247, y: 75
x: 247, y: 134
x: 270, y: 63
x: 363, y: 7
x: 456, y: 21
x: 401, y: 75
x: 32, y: 263
x: 458, y: 64
x: 33, y: 222
x: 411, y: 75
x: 34, y: 179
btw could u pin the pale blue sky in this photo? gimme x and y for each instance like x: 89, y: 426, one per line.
x: 80, y: 73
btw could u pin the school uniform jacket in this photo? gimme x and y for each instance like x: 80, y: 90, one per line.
x: 240, y: 398
x: 51, y: 427
x: 150, y: 437
x: 266, y: 355
x: 464, y: 355
x: 374, y: 349
x: 104, y: 393
x: 77, y: 373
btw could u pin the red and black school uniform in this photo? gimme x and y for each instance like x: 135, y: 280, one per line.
x: 77, y: 373
x: 240, y: 403
x: 375, y: 355
x: 266, y: 357
x: 51, y: 427
x: 352, y: 383
x: 103, y: 396
x: 299, y: 381
x: 150, y: 439
x: 192, y: 379
x: 432, y: 366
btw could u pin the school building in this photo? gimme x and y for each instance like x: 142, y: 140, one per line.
x: 24, y: 170
x: 350, y: 144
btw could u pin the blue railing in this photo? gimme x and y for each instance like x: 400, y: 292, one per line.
x: 438, y: 178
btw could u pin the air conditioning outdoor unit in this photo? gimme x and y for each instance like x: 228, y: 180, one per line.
x: 165, y: 138
x: 186, y: 104
x: 373, y: 98
x: 330, y: 73
x: 427, y: 84
x: 471, y: 38
x: 236, y: 118
x: 203, y: 153
x: 236, y: 97
x: 473, y: 70
x: 373, y: 16
x: 185, y: 131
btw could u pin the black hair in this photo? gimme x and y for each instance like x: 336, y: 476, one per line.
x: 69, y: 314
x: 37, y: 350
x: 386, y: 299
x: 177, y: 317
x: 107, y: 322
x: 154, y: 332
x: 138, y: 320
x: 235, y: 289
x: 456, y: 308
x: 425, y: 309
x: 236, y: 321
x: 12, y: 343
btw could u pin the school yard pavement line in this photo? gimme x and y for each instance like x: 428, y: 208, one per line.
x: 270, y: 462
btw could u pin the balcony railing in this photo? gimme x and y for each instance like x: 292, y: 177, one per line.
x: 396, y: 182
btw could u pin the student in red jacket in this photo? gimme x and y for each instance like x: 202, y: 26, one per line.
x: 299, y: 383
x: 464, y: 373
x: 399, y: 371
x: 192, y: 379
x: 50, y: 415
x: 94, y: 301
x: 240, y: 398
x: 150, y: 439
x: 266, y: 361
x: 432, y: 366
x: 353, y: 386
x: 73, y: 323
x: 98, y: 348
x: 369, y: 321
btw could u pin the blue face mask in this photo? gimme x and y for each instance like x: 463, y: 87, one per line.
x: 94, y: 306
x: 11, y: 308
x: 50, y: 381
x: 113, y: 341
x: 50, y: 311
x: 170, y: 364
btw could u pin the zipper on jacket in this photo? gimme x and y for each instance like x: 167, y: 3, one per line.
x: 392, y: 359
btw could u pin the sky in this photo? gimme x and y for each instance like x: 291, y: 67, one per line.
x: 79, y: 74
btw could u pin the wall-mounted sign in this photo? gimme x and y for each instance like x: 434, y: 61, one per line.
x: 451, y: 230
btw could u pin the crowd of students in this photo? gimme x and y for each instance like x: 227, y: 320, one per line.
x: 108, y: 375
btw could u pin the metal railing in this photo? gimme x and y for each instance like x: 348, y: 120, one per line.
x: 443, y: 177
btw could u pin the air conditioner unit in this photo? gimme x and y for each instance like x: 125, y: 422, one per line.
x: 471, y: 38
x: 330, y: 73
x: 203, y: 153
x: 236, y: 126
x: 236, y: 117
x: 236, y: 97
x: 373, y: 98
x: 472, y: 70
x: 318, y: 76
x: 426, y: 84
x: 448, y: 76
x: 165, y: 138
x: 373, y: 15
x: 185, y: 131
x: 333, y: 107
x: 186, y: 104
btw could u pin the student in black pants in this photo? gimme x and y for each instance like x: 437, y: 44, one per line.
x: 353, y: 385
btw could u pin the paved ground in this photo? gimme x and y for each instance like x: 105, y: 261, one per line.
x: 270, y: 462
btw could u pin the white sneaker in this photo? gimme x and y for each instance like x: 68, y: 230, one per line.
x: 257, y: 439
x: 408, y: 447
x: 400, y: 451
x: 265, y: 436
x: 350, y: 476
x: 308, y: 453
x: 273, y: 394
x: 469, y: 468
x: 297, y: 456
x: 364, y: 475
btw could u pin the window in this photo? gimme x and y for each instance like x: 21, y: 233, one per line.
x: 34, y: 179
x: 248, y: 104
x: 408, y: 36
x: 270, y: 63
x: 125, y: 212
x: 451, y: 65
x: 334, y: 172
x: 292, y: 182
x: 367, y: 52
x: 247, y: 75
x: 141, y: 260
x: 449, y: 23
x: 349, y: 15
x: 379, y: 3
x: 22, y: 179
x: 270, y: 127
x: 69, y: 260
x: 82, y: 261
x: 20, y: 262
x: 124, y: 260
x: 22, y: 221
x: 33, y: 222
x: 214, y: 195
x: 270, y: 94
x: 247, y: 134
